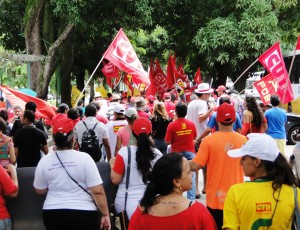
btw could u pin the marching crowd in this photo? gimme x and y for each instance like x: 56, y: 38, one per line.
x: 155, y: 150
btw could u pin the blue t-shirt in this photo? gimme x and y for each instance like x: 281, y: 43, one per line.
x: 212, y: 123
x: 276, y: 119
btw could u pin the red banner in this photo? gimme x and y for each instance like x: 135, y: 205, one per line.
x: 121, y: 53
x: 266, y: 87
x: 197, y: 77
x: 272, y: 60
x: 159, y: 78
x: 44, y: 109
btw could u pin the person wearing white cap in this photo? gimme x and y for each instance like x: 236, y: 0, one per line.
x: 198, y: 112
x: 114, y: 125
x: 268, y: 201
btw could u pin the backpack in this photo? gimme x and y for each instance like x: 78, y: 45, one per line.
x: 90, y: 143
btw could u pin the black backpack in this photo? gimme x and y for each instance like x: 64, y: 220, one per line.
x: 90, y: 143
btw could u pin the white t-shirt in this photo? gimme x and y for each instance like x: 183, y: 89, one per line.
x: 100, y: 129
x: 195, y: 108
x: 136, y: 184
x: 63, y: 193
x: 112, y: 130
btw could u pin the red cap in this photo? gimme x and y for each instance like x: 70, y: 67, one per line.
x: 226, y: 113
x: 221, y: 88
x: 151, y: 98
x: 142, y: 125
x: 63, y: 126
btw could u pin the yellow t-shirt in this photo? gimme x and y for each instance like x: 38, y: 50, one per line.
x: 222, y: 170
x: 250, y: 205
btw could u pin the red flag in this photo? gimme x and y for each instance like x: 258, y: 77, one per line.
x: 266, y: 87
x: 171, y: 72
x: 159, y: 78
x: 121, y: 53
x: 44, y: 109
x: 197, y: 77
x: 298, y: 43
x: 151, y: 89
x: 181, y: 74
x: 272, y: 60
x: 110, y: 71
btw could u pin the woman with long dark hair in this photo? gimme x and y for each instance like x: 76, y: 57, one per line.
x: 254, y: 120
x: 163, y: 205
x: 160, y: 121
x: 268, y: 200
x: 143, y: 157
x: 73, y: 185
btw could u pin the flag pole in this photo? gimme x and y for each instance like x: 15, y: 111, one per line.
x: 89, y: 79
x: 244, y: 72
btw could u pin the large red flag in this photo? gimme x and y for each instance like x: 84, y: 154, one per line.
x: 298, y: 43
x: 121, y: 53
x: 266, y: 87
x: 44, y: 109
x: 159, y: 78
x: 197, y: 77
x: 272, y: 60
x: 110, y: 71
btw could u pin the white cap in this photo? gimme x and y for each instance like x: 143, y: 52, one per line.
x: 259, y: 145
x: 130, y: 112
x: 119, y: 109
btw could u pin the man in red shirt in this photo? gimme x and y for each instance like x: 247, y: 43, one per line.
x: 181, y: 134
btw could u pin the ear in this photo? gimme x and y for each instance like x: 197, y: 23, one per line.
x: 257, y: 162
x: 176, y: 182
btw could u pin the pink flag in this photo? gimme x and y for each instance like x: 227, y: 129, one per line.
x: 298, y: 43
x: 272, y: 60
x: 266, y: 87
x: 121, y: 53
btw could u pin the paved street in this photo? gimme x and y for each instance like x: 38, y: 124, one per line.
x: 288, y: 150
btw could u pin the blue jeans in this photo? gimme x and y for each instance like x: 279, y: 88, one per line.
x: 5, y: 224
x: 161, y: 145
x: 191, y: 194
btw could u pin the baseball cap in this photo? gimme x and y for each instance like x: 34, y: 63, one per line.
x: 119, y: 109
x: 64, y: 126
x: 130, y: 112
x: 221, y: 88
x: 226, y: 113
x: 259, y: 145
x: 142, y: 125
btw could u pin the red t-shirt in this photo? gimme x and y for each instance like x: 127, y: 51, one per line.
x: 196, y: 217
x: 7, y: 187
x: 181, y: 133
x: 143, y: 114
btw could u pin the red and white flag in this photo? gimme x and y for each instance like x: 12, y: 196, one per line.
x: 266, y: 87
x: 197, y: 77
x: 298, y: 43
x: 121, y: 53
x: 272, y: 60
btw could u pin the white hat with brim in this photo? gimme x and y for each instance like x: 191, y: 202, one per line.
x: 204, y: 88
x: 258, y: 145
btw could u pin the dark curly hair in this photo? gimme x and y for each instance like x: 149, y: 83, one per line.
x: 258, y: 115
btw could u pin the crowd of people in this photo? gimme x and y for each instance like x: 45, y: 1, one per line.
x: 155, y: 149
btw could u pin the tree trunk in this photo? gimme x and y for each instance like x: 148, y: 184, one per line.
x: 66, y: 69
